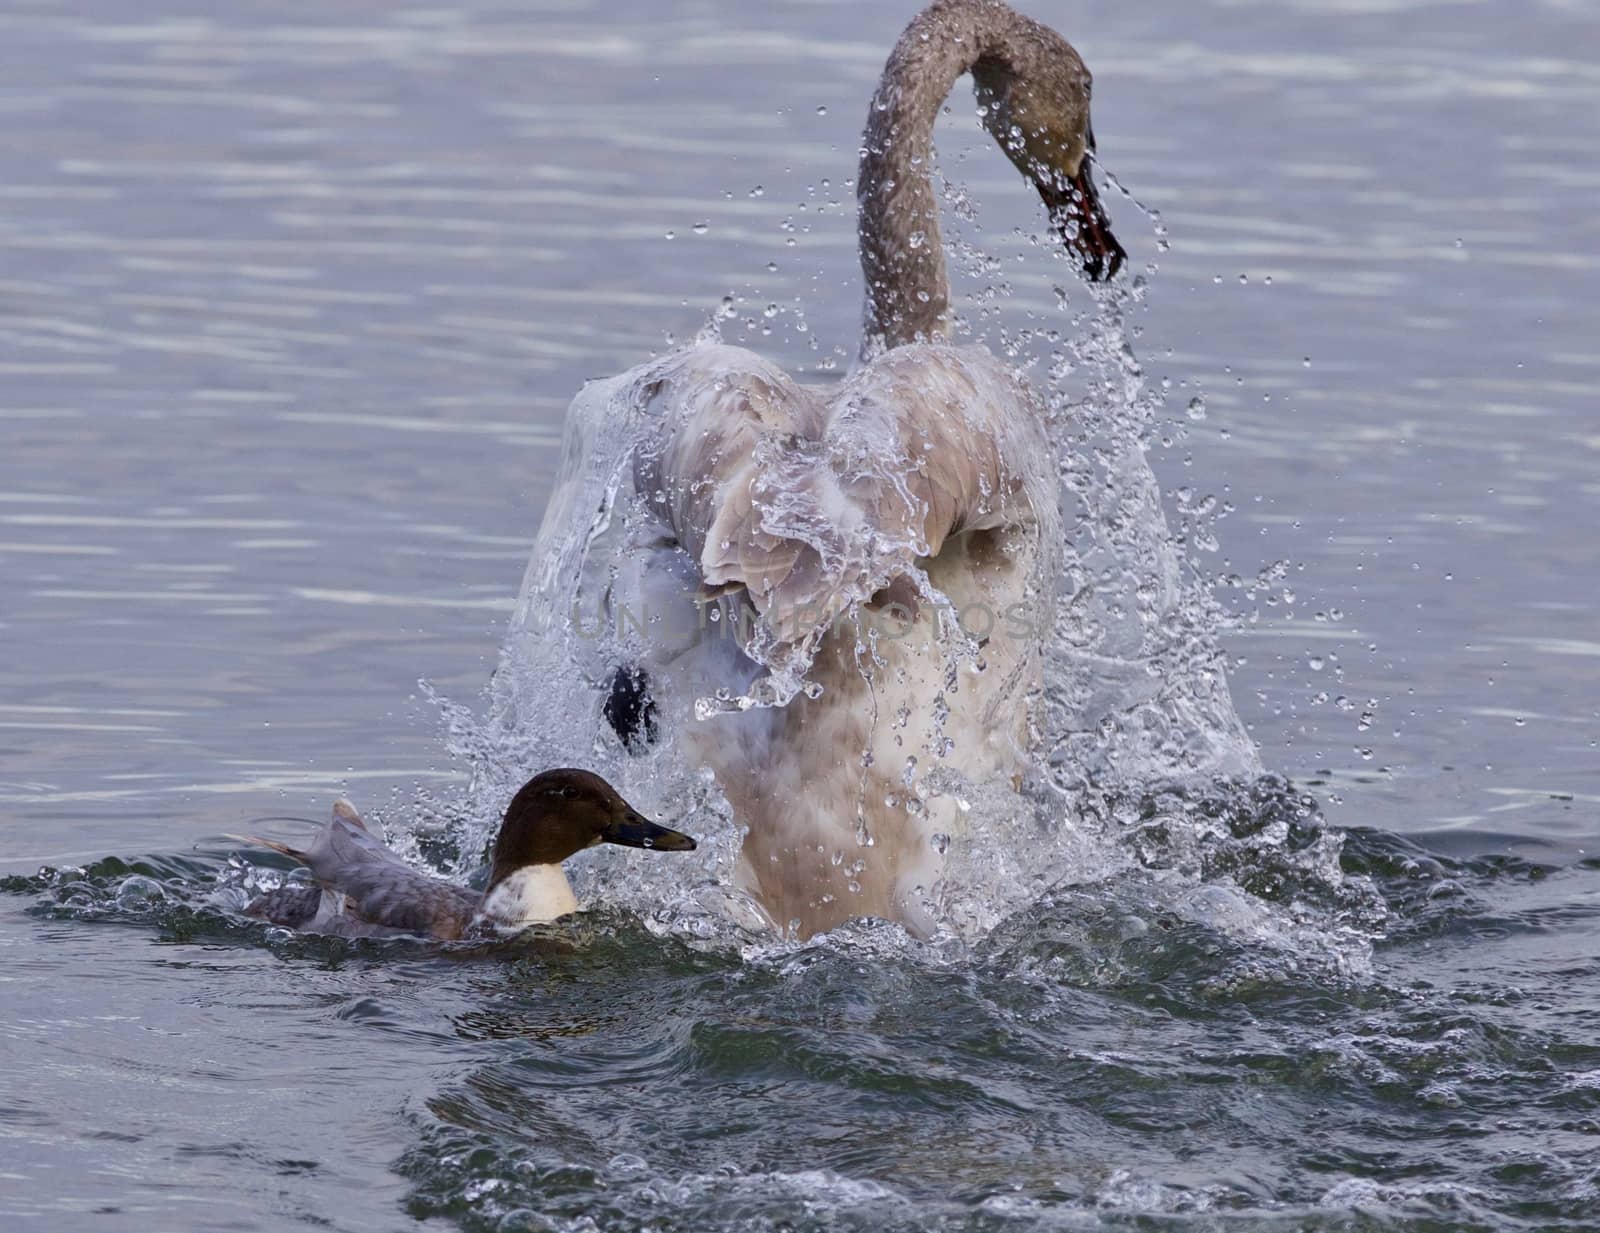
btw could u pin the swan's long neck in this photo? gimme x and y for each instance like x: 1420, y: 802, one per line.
x: 1035, y: 92
x: 902, y: 248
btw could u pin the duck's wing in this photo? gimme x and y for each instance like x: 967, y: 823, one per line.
x: 344, y: 842
x: 400, y: 898
x: 376, y: 885
x: 311, y: 909
x: 811, y: 502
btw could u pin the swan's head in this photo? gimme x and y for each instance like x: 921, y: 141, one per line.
x: 1035, y: 101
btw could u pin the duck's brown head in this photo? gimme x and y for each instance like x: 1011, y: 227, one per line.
x: 560, y: 812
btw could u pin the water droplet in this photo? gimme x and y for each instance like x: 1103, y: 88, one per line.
x: 139, y: 891
x: 1197, y: 408
x: 822, y: 110
x: 758, y: 191
x: 701, y: 228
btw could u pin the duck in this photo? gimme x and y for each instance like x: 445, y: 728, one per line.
x: 364, y: 888
x: 836, y: 598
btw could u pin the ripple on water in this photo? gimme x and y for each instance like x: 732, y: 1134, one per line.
x: 1108, y: 1058
x: 1146, y: 1079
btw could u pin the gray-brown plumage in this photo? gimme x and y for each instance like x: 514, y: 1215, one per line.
x: 1034, y: 93
x: 925, y: 478
x: 364, y: 887
x: 922, y: 487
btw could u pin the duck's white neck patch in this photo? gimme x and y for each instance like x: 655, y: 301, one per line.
x: 530, y: 896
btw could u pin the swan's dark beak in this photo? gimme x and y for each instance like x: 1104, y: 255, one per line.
x: 1082, y: 221
x: 634, y: 830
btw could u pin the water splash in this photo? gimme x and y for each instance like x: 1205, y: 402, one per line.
x: 1135, y: 727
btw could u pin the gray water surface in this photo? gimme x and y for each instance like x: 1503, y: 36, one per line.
x: 292, y: 299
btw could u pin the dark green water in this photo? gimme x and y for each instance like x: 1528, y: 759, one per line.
x: 1100, y: 1063
x: 292, y: 297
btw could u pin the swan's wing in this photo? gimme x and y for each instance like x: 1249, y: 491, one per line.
x: 729, y: 467
x: 935, y: 441
x: 810, y: 503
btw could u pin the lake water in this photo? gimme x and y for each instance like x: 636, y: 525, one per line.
x: 292, y: 300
